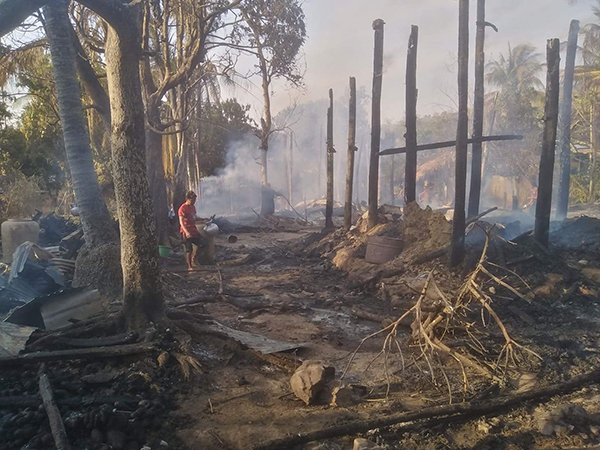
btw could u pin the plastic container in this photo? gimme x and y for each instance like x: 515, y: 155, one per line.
x: 381, y: 249
x: 212, y: 229
x: 14, y: 233
x: 164, y: 251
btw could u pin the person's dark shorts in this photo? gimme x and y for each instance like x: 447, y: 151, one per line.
x: 190, y: 242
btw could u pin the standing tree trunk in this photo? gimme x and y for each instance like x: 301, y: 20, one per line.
x: 330, y: 152
x: 351, y: 152
x: 565, y: 124
x: 378, y: 26
x: 457, y: 248
x: 95, y: 219
x: 142, y: 287
x: 98, y: 262
x: 544, y: 200
x: 410, y: 173
x: 478, y: 112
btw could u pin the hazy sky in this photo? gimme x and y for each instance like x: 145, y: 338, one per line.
x: 340, y: 44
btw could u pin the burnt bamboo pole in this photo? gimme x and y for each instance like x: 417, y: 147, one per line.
x: 61, y: 440
x: 410, y: 171
x: 566, y: 109
x: 457, y: 248
x: 286, y: 167
x: 544, y: 200
x: 330, y: 152
x: 351, y: 152
x: 449, y: 144
x: 378, y: 26
x: 392, y: 181
x: 291, y: 171
x: 478, y: 112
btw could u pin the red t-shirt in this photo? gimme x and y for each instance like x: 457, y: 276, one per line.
x: 188, y: 212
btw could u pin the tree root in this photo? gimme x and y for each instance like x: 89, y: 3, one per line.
x: 431, y: 324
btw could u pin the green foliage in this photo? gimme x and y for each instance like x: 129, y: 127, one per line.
x: 276, y: 28
x: 221, y: 124
x: 20, y: 195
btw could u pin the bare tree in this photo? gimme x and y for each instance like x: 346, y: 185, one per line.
x: 276, y: 32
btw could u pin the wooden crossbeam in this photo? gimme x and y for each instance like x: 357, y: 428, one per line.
x: 448, y: 144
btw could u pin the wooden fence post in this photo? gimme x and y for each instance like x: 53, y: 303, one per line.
x: 330, y: 152
x: 544, y: 199
x: 566, y: 109
x: 378, y: 26
x: 410, y: 173
x: 457, y: 249
x: 351, y: 151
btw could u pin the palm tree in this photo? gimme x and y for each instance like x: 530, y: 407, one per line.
x: 518, y: 71
x: 94, y: 213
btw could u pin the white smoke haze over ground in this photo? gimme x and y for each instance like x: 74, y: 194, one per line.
x: 339, y: 45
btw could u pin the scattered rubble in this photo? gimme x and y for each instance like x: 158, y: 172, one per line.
x: 311, y: 380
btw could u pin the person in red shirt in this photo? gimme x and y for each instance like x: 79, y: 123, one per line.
x: 189, y: 232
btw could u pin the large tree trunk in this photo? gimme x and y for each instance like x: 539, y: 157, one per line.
x: 478, y: 112
x: 565, y: 124
x: 95, y: 219
x: 410, y: 172
x: 154, y: 153
x: 142, y: 287
x: 544, y: 200
x: 457, y: 248
x: 378, y: 26
x: 330, y: 151
x: 351, y: 152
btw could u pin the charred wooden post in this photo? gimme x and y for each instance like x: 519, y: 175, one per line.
x: 286, y: 168
x: 392, y: 180
x: 457, y: 248
x: 410, y: 173
x: 291, y: 171
x: 566, y: 109
x: 351, y: 151
x: 61, y: 440
x: 478, y: 112
x: 330, y: 152
x: 544, y: 200
x: 376, y: 123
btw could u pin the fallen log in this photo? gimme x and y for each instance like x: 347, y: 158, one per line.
x: 61, y: 440
x: 195, y: 300
x: 431, y: 256
x: 24, y: 401
x: 72, y: 354
x: 97, y: 342
x: 448, y: 411
x: 479, y: 216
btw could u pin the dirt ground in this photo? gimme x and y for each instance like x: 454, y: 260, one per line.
x: 243, y: 399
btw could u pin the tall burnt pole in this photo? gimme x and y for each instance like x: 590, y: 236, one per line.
x: 330, y: 151
x: 410, y: 171
x: 478, y: 112
x: 544, y: 200
x: 351, y: 152
x: 566, y: 108
x: 457, y: 248
x: 378, y: 26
